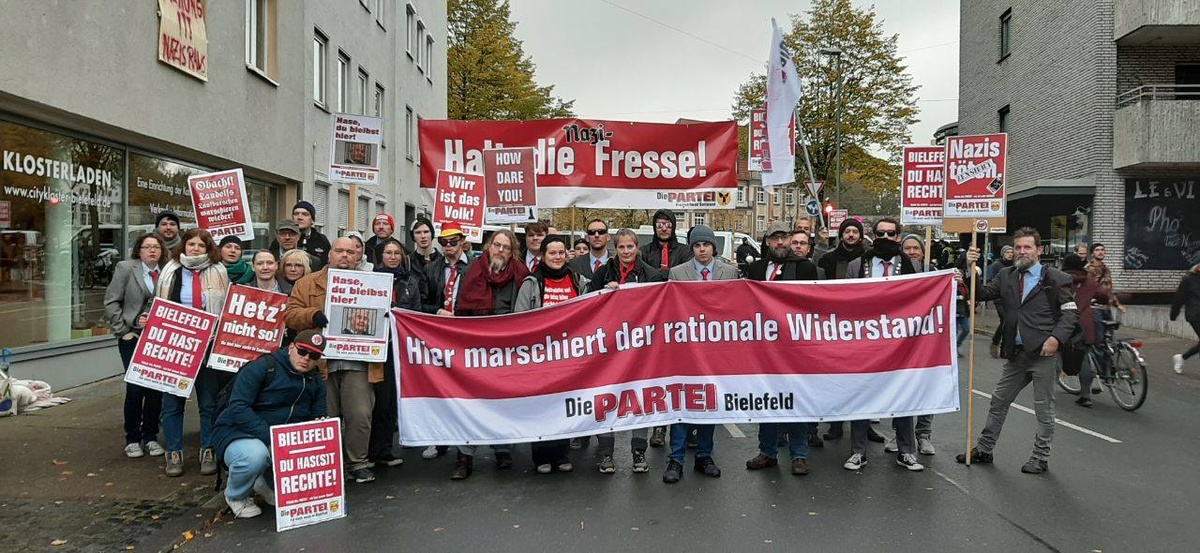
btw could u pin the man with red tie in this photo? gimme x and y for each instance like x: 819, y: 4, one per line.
x: 665, y: 251
x: 883, y: 259
x: 442, y: 276
x: 780, y: 263
x: 703, y: 266
x: 534, y: 234
x: 597, y: 237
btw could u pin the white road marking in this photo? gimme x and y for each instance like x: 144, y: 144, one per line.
x: 1076, y: 427
x: 734, y: 430
x: 952, y: 482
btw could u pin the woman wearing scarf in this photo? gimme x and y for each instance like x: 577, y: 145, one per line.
x: 552, y: 282
x: 1087, y: 290
x: 197, y: 278
x: 406, y: 294
x: 626, y: 267
x: 236, y: 268
x: 294, y: 265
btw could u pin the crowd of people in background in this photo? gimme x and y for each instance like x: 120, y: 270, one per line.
x: 440, y: 276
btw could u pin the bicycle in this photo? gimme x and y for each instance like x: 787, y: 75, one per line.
x: 1118, y: 366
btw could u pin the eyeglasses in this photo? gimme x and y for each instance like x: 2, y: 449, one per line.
x: 449, y: 242
x: 150, y: 247
x: 309, y: 354
x: 597, y: 232
x: 887, y: 233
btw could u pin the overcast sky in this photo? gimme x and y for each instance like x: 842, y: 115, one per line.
x: 617, y: 64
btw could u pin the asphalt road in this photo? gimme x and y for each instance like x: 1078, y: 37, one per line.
x: 1118, y: 481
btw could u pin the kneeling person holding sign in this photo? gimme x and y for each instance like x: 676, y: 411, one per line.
x: 278, y: 388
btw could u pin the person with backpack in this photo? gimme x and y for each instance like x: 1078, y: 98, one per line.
x: 278, y: 388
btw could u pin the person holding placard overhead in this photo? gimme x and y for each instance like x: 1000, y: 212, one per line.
x: 196, y: 279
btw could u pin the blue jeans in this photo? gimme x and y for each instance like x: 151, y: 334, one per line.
x: 143, y: 406
x: 768, y: 438
x: 248, y: 458
x: 208, y: 386
x: 964, y: 329
x: 704, y: 440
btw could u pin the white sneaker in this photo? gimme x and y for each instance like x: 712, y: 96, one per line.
x: 909, y: 461
x: 890, y: 445
x: 855, y: 462
x: 243, y: 508
x: 1177, y: 359
x: 925, y: 446
x: 545, y: 468
x: 133, y: 451
x: 263, y: 489
x: 430, y: 452
x: 153, y: 449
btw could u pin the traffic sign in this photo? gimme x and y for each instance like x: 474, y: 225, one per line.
x: 813, y: 207
x: 814, y: 188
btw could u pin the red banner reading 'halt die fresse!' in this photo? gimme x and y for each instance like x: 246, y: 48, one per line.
x: 697, y: 352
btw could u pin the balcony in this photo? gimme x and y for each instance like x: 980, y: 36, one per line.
x: 1155, y: 126
x: 1156, y: 22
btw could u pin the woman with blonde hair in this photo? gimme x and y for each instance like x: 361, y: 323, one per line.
x: 196, y: 278
x: 294, y: 265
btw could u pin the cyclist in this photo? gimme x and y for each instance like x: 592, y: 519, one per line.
x: 1089, y: 295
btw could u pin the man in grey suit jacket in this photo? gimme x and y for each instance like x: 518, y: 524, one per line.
x: 1038, y: 315
x: 703, y: 266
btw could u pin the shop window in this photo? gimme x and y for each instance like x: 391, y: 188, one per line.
x: 60, y: 234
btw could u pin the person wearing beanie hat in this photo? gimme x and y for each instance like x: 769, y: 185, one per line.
x: 914, y: 249
x: 304, y: 214
x: 383, y: 226
x: 166, y: 226
x: 703, y: 266
x: 238, y: 270
x: 664, y: 250
x: 281, y: 387
x: 425, y: 251
x: 850, y: 247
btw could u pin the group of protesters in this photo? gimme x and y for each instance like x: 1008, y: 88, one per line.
x: 508, y: 276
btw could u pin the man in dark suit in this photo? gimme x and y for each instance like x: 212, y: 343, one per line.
x: 780, y: 262
x: 1039, y: 314
x: 597, y: 237
x: 442, y: 277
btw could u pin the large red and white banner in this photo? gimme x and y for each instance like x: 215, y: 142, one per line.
x: 219, y: 200
x: 975, y: 174
x: 307, y: 458
x: 921, y: 185
x: 170, y: 350
x: 251, y: 325
x: 697, y: 352
x: 591, y: 163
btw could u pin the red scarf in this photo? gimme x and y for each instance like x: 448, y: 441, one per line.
x: 476, y: 291
x: 623, y: 272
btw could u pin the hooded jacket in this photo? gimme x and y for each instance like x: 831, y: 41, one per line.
x: 676, y: 252
x: 255, y: 406
x: 611, y: 272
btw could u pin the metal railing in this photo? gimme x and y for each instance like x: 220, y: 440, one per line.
x: 1155, y: 92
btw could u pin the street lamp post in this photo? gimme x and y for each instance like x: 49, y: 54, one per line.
x: 837, y: 163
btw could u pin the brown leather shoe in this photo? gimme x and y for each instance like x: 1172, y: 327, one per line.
x: 799, y: 467
x: 761, y: 462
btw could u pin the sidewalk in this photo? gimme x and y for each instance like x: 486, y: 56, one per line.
x: 65, y: 477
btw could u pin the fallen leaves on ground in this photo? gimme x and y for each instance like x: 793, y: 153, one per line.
x: 59, y: 463
x: 57, y: 543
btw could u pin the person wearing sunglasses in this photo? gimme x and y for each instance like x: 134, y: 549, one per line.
x: 443, y: 274
x: 883, y: 259
x: 597, y: 238
x: 277, y: 388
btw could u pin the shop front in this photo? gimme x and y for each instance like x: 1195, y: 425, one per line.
x: 70, y: 207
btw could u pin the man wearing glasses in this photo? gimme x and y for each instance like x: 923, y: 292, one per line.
x: 443, y: 274
x: 597, y: 238
x: 883, y: 259
x: 278, y: 388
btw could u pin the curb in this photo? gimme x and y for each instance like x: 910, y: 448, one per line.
x: 188, y: 526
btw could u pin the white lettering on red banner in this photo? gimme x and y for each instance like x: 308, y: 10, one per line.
x: 251, y: 325
x: 220, y: 204
x: 709, y: 352
x: 170, y: 349
x: 307, y: 458
x: 921, y: 185
x: 974, y: 176
x: 592, y: 163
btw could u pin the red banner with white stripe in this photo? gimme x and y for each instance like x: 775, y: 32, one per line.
x: 697, y: 352
x: 591, y: 163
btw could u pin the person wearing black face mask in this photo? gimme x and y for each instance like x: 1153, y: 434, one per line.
x: 883, y: 259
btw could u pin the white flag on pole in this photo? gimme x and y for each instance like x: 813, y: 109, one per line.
x: 783, y: 91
